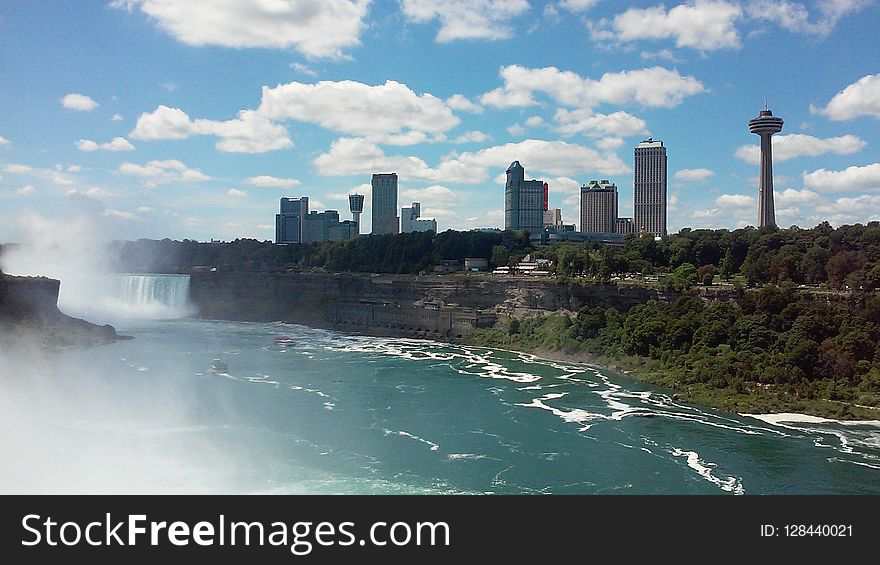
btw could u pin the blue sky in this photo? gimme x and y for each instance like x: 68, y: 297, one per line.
x: 191, y: 118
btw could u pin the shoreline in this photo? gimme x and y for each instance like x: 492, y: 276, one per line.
x: 757, y: 402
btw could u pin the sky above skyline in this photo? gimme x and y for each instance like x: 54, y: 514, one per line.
x: 192, y: 118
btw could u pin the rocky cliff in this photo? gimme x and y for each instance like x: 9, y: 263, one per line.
x: 29, y: 310
x: 446, y: 304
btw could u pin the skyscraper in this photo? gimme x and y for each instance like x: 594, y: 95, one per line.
x: 765, y: 125
x: 384, y: 211
x: 289, y: 223
x: 599, y: 207
x: 650, y: 187
x: 356, y: 204
x: 524, y: 201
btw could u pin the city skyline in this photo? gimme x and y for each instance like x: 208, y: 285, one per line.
x: 140, y: 118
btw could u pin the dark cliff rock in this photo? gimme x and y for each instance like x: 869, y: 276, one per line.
x: 29, y: 310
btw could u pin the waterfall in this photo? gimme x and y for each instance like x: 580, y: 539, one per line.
x: 149, y: 296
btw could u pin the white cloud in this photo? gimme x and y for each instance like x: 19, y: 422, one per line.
x: 592, y: 124
x: 155, y: 173
x: 665, y: 54
x: 434, y: 195
x: 799, y: 145
x: 52, y: 175
x: 170, y: 86
x: 19, y: 169
x: 534, y: 121
x: 790, y: 197
x: 704, y: 25
x: 26, y: 189
x: 460, y: 102
x: 265, y: 180
x: 472, y: 137
x: 265, y: 226
x: 516, y: 130
x: 651, y: 87
x: 236, y: 193
x: 304, y: 69
x: 577, y: 5
x: 249, y: 133
x: 79, y: 102
x: 316, y: 28
x: 794, y: 16
x: 356, y: 108
x: 144, y: 209
x: 610, y: 143
x: 735, y: 201
x: 850, y: 179
x: 861, y: 98
x: 4, y: 141
x: 74, y: 169
x: 703, y: 214
x: 466, y: 19
x: 850, y: 210
x: 694, y: 175
x: 118, y: 214
x: 117, y: 117
x: 116, y: 144
x: 351, y: 156
x: 95, y: 192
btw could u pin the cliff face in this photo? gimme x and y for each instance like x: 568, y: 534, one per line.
x: 29, y: 309
x: 431, y: 304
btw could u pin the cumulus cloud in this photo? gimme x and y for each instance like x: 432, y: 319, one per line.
x: 359, y: 109
x: 790, y: 197
x: 705, y: 25
x: 434, y: 195
x: 461, y: 102
x: 116, y: 118
x: 249, y: 133
x: 236, y: 193
x: 693, y: 175
x: 593, y: 124
x: 861, y: 98
x: 304, y: 69
x: 466, y: 19
x: 577, y: 5
x: 850, y: 179
x: 650, y: 87
x: 79, y: 102
x: 735, y: 201
x: 4, y: 141
x: 849, y: 210
x: 265, y: 180
x: 799, y: 145
x: 516, y: 130
x: 316, y: 28
x: 350, y: 156
x: 610, y: 143
x: 116, y: 144
x: 703, y: 214
x: 155, y: 173
x: 26, y: 189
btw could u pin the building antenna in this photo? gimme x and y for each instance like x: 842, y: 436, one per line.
x: 766, y: 108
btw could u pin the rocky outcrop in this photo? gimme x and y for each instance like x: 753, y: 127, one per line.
x: 29, y: 310
x: 446, y: 305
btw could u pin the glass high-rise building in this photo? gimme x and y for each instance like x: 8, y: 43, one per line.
x: 289, y: 222
x: 650, y: 188
x: 525, y: 201
x: 384, y: 212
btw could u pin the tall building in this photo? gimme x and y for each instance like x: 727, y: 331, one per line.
x: 325, y: 226
x: 765, y: 125
x: 599, y: 207
x: 625, y: 226
x: 385, y: 218
x: 289, y: 223
x: 650, y: 187
x: 524, y: 201
x: 410, y: 220
x: 356, y: 205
